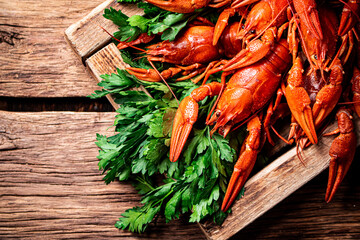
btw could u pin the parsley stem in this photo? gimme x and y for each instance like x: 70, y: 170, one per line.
x: 143, y: 181
x: 163, y: 198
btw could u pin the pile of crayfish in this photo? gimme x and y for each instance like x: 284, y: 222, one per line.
x: 276, y: 58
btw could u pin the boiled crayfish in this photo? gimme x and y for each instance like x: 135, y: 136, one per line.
x: 307, y: 66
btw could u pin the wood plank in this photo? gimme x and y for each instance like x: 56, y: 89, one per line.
x: 35, y: 59
x: 273, y: 184
x: 55, y: 104
x: 106, y: 61
x: 305, y: 214
x: 84, y: 36
x: 51, y: 187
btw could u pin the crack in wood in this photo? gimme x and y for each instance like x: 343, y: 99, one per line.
x: 6, y: 143
x: 9, y: 37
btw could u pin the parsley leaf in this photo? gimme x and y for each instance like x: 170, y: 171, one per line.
x: 155, y: 21
x: 114, y: 83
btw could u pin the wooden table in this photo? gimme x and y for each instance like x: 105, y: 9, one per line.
x: 50, y: 186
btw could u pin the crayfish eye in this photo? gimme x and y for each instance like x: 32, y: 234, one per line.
x: 252, y: 31
x: 218, y: 113
x: 243, y: 26
x: 315, y: 56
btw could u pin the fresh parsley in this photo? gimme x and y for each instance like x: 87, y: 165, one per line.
x: 138, y: 149
x: 155, y: 21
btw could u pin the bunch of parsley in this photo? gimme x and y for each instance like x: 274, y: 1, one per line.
x: 154, y: 21
x: 139, y: 152
x: 139, y: 149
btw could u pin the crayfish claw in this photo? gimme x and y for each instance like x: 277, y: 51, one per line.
x: 299, y: 101
x: 242, y: 169
x: 309, y: 16
x: 150, y: 75
x: 221, y: 23
x: 185, y: 117
x: 255, y: 51
x: 342, y: 152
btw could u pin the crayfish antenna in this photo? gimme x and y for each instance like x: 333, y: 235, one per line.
x: 241, y: 3
x: 125, y: 44
x: 162, y: 78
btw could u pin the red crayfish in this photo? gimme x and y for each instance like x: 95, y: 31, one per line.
x: 307, y: 66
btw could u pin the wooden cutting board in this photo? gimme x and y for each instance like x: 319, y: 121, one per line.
x: 264, y: 190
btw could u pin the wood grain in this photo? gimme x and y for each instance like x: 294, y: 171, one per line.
x: 106, y: 61
x: 35, y: 59
x: 306, y: 215
x: 50, y: 185
x: 273, y: 184
x: 55, y: 104
x: 84, y: 36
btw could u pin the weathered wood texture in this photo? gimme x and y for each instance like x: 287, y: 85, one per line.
x: 55, y: 104
x: 306, y: 215
x: 35, y: 59
x: 50, y: 186
x: 106, y: 61
x: 84, y: 36
x: 273, y: 184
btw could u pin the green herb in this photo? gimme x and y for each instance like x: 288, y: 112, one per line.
x: 138, y: 150
x: 128, y: 32
x: 196, y: 189
x: 155, y: 21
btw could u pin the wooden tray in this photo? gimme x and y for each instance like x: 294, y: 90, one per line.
x: 264, y: 190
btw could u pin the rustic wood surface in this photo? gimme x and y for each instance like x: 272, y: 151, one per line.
x: 51, y: 189
x: 51, y: 186
x: 36, y: 61
x: 105, y: 61
x: 84, y: 36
